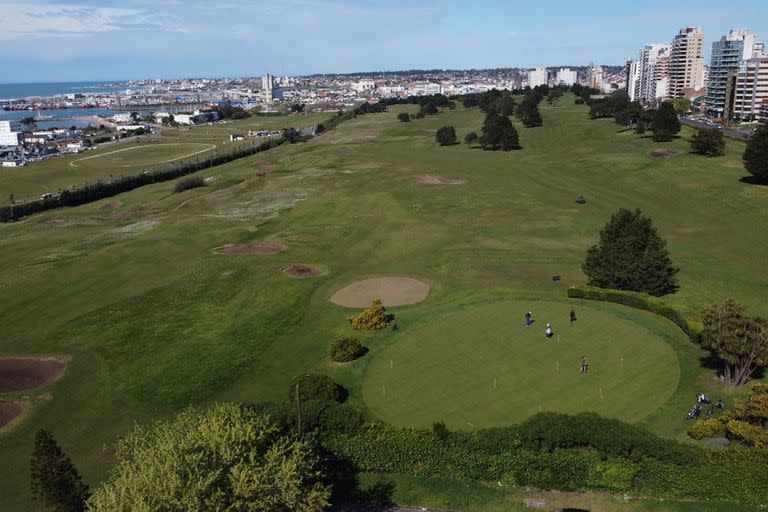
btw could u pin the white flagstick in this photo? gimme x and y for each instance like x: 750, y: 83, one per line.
x: 622, y: 362
x: 601, y: 393
x: 383, y: 390
x: 557, y: 366
x: 391, y: 363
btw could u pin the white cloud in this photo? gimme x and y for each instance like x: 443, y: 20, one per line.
x: 53, y: 21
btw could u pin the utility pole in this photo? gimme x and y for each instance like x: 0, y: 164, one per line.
x: 298, y: 409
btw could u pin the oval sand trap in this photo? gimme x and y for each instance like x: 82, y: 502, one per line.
x: 301, y: 270
x: 251, y: 249
x: 22, y: 373
x: 393, y: 291
x: 9, y: 411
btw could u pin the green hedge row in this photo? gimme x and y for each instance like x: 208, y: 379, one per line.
x: 719, y: 476
x: 634, y: 300
x: 551, y: 431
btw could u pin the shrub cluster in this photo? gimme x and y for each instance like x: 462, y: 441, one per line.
x: 634, y: 300
x: 189, y: 183
x: 372, y: 318
x: 344, y: 349
x: 315, y: 386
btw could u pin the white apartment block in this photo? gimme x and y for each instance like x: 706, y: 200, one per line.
x: 651, y: 74
x: 633, y: 79
x: 364, y: 86
x: 566, y: 76
x: 537, y: 77
x: 8, y: 137
x: 686, y: 66
x: 728, y: 54
x: 751, y: 90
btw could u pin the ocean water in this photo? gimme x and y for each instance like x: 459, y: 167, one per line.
x: 60, y: 118
x: 48, y: 89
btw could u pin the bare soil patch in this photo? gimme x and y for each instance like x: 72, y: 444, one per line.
x: 431, y: 179
x: 393, y: 291
x: 250, y: 249
x: 9, y: 411
x: 302, y: 270
x: 112, y: 205
x: 22, y: 373
x: 662, y: 152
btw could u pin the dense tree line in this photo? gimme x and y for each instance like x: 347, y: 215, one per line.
x: 231, y: 112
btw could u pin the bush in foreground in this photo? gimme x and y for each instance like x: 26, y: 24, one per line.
x: 316, y: 386
x: 372, y: 318
x: 345, y: 349
x: 225, y: 457
x: 404, y: 117
x: 708, y: 142
x: 188, y: 183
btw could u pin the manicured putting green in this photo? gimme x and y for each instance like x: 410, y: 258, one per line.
x: 481, y: 366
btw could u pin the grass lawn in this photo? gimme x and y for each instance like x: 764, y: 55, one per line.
x: 154, y: 321
x: 481, y: 367
x: 132, y: 156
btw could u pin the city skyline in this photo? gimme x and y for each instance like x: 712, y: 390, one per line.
x: 65, y: 41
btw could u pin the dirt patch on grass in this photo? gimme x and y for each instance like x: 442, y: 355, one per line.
x: 393, y: 291
x: 662, y: 152
x: 23, y: 373
x: 431, y: 179
x: 9, y: 411
x: 250, y: 249
x: 112, y: 205
x: 302, y: 270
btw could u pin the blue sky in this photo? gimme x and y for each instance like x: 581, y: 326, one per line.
x: 109, y: 40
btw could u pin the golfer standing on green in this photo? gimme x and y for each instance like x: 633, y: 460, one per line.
x: 584, y: 364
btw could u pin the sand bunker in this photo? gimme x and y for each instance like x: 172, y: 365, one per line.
x: 8, y: 411
x: 22, y: 373
x: 301, y: 270
x: 251, y: 249
x: 393, y: 291
x: 657, y: 153
x: 431, y: 179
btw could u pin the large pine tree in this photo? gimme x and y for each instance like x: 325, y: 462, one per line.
x: 631, y: 256
x: 665, y: 123
x: 756, y: 153
x: 55, y: 480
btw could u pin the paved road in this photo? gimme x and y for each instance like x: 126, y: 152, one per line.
x: 731, y: 132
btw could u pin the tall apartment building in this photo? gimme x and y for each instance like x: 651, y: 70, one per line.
x: 686, y: 66
x: 8, y: 137
x: 750, y: 97
x: 728, y: 54
x: 537, y: 76
x: 595, y: 77
x: 566, y: 76
x: 633, y: 79
x: 651, y: 79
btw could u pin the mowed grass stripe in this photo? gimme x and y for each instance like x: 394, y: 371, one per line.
x: 447, y: 369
